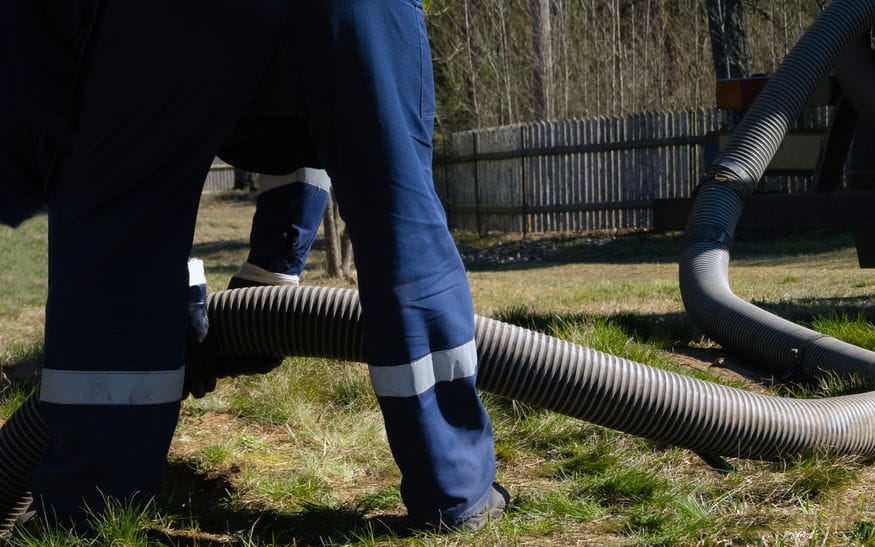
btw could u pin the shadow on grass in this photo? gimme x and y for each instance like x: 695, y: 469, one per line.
x: 224, y: 245
x: 676, y: 332
x: 807, y: 309
x: 515, y: 253
x: 208, y: 502
x: 676, y: 328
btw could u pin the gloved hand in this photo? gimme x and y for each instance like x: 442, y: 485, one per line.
x: 199, y: 376
x: 202, y: 367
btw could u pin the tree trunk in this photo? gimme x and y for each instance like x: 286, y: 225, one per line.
x: 333, y: 258
x: 730, y: 49
x: 542, y: 57
x: 472, y: 72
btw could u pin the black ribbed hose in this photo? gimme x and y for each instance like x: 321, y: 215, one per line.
x: 556, y: 375
x: 519, y: 364
x: 23, y: 441
x: 779, y: 345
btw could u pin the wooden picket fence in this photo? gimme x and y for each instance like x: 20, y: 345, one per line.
x: 589, y: 174
x: 220, y: 178
x: 575, y: 175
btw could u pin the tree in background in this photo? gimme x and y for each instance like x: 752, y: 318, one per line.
x: 542, y: 59
x: 729, y: 47
x: 338, y: 247
x: 609, y: 57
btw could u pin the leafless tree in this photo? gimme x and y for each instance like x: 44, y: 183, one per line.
x: 730, y: 50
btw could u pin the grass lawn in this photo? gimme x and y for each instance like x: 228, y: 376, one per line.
x: 299, y: 456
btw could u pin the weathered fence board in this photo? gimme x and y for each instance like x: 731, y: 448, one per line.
x: 220, y: 178
x: 590, y: 174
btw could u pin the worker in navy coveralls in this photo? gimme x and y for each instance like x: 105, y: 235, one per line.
x: 288, y: 211
x: 111, y: 112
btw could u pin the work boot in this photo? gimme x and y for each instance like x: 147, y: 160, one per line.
x: 495, y: 506
x: 496, y: 503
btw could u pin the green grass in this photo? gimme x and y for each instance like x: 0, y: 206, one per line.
x: 855, y: 329
x: 11, y: 398
x: 23, y: 280
x: 299, y: 456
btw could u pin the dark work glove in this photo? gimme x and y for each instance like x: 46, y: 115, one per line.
x: 199, y: 376
x: 202, y: 367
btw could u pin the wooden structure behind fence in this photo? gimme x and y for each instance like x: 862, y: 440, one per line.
x: 590, y: 174
x: 220, y: 178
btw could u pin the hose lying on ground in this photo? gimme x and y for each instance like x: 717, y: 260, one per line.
x: 743, y: 328
x: 24, y: 439
x: 519, y: 364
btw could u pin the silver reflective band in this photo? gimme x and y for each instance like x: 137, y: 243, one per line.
x: 85, y: 387
x: 252, y: 272
x: 315, y: 177
x: 416, y: 377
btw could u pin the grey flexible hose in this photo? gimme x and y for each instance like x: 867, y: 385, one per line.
x: 557, y: 375
x: 23, y: 441
x: 519, y: 364
x: 743, y: 328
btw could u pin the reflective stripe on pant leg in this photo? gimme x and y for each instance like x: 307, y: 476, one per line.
x: 93, y: 387
x: 367, y: 94
x: 421, y: 375
x: 316, y: 177
x: 152, y: 113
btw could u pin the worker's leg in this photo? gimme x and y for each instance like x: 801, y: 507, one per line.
x: 368, y: 96
x: 40, y: 42
x: 288, y: 212
x: 165, y: 83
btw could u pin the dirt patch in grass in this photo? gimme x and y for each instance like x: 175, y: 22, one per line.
x: 724, y: 365
x: 566, y: 247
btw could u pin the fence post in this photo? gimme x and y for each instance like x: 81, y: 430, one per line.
x: 523, y: 186
x: 477, y: 220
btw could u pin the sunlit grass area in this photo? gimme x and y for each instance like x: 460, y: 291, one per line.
x: 299, y: 457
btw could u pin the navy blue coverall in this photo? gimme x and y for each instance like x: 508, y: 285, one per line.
x: 110, y: 114
x: 288, y: 212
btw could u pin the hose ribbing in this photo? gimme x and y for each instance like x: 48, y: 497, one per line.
x: 557, y: 375
x: 266, y: 322
x: 759, y: 134
x: 743, y: 328
x: 516, y: 363
x: 23, y: 441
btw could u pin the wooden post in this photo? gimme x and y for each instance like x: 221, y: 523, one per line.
x: 333, y: 257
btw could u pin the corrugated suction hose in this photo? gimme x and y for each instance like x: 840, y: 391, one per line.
x: 557, y: 375
x: 23, y: 441
x: 522, y: 365
x: 743, y: 328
